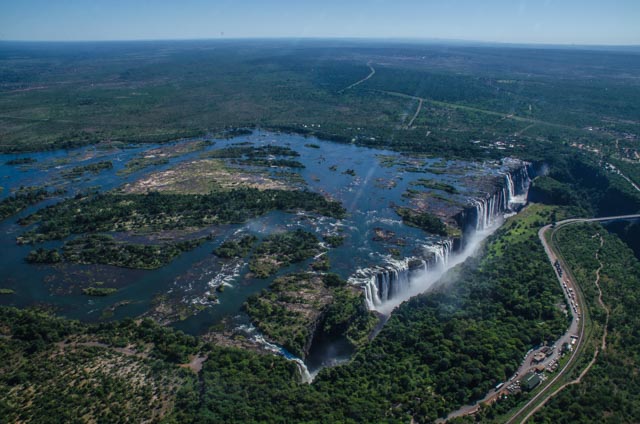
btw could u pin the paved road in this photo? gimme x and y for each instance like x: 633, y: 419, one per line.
x: 617, y: 171
x: 372, y: 73
x: 415, y: 115
x: 595, y: 353
x: 543, y: 396
x: 576, y: 327
x: 475, y: 109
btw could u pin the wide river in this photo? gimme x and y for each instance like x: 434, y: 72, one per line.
x: 368, y: 182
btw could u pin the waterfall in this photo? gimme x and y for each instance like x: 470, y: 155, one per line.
x: 521, y: 186
x: 512, y: 195
x: 384, y: 284
x: 510, y: 186
x: 258, y: 338
x: 442, y: 252
x: 387, y: 286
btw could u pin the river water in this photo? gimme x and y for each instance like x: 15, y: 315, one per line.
x: 368, y: 182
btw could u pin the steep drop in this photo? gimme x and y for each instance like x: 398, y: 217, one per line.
x: 387, y: 286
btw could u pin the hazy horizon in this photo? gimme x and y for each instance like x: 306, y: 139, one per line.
x: 572, y: 22
x: 398, y: 40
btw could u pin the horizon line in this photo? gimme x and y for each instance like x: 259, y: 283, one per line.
x: 330, y: 38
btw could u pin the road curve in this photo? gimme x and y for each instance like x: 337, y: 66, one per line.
x: 574, y: 328
x: 543, y: 396
x: 372, y: 73
x: 595, y: 353
x: 581, y: 327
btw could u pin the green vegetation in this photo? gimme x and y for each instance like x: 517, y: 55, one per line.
x: 629, y: 168
x: 161, y: 155
x: 321, y: 264
x: 55, y: 370
x: 582, y: 180
x: 435, y: 185
x: 443, y: 349
x: 23, y: 198
x: 250, y: 152
x: 297, y: 307
x: 629, y: 232
x: 103, y: 249
x: 94, y: 168
x: 437, y: 351
x: 423, y: 220
x: 137, y: 164
x: 280, y: 250
x: 21, y: 161
x: 44, y: 256
x: 607, y: 394
x: 128, y: 93
x: 155, y: 211
x: 551, y: 191
x: 264, y: 156
x: 347, y: 316
x: 280, y: 163
x: 414, y: 169
x: 333, y: 240
x: 236, y: 249
x: 289, y: 311
x: 99, y: 291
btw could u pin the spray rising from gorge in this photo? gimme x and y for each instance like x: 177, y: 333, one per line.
x: 387, y: 286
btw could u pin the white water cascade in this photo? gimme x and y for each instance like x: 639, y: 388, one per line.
x: 511, y: 196
x: 390, y: 284
x: 387, y: 286
x: 258, y: 338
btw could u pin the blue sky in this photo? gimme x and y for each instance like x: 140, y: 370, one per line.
x: 515, y: 21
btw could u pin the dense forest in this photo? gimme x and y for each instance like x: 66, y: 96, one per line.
x: 609, y: 391
x: 573, y: 113
x: 298, y: 307
x: 437, y: 351
x: 103, y: 249
x: 424, y: 220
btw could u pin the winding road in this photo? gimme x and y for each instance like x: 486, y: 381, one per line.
x: 577, y: 328
x: 372, y: 73
x: 542, y: 397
